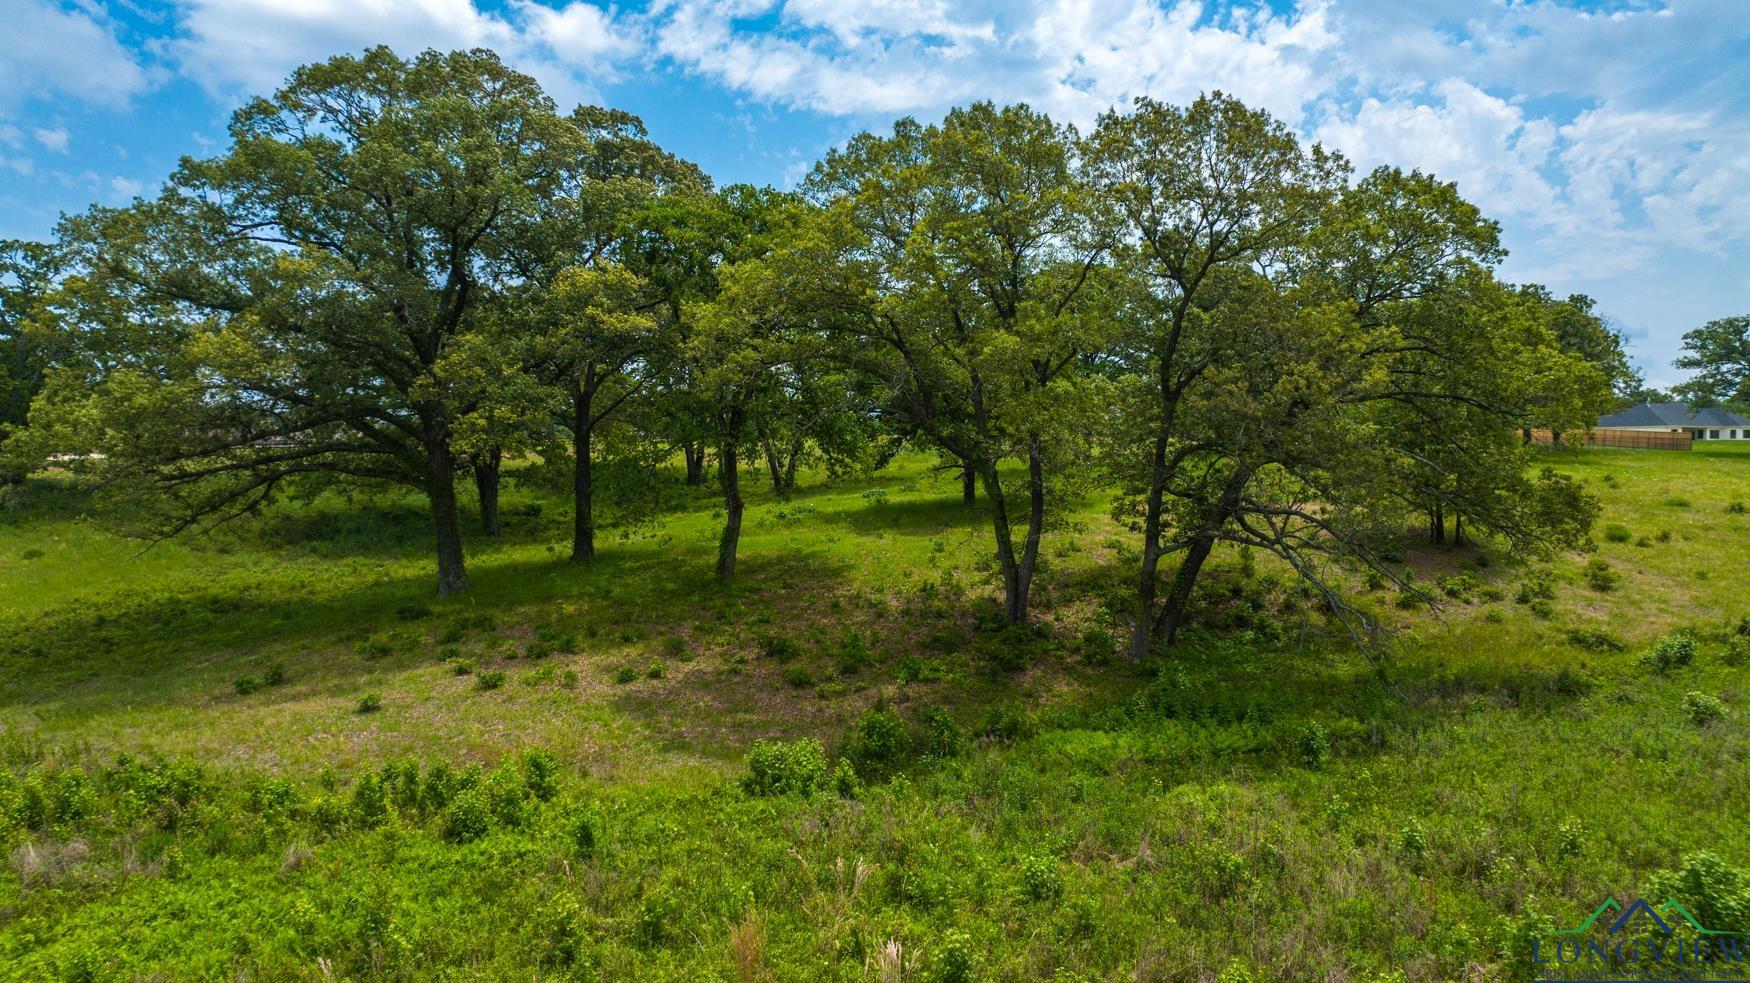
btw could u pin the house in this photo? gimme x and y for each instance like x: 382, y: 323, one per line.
x: 1712, y: 423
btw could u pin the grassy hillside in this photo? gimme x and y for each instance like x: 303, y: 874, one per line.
x: 269, y: 753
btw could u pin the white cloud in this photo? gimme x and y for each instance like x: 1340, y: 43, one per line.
x: 54, y: 139
x: 53, y: 50
x: 235, y: 47
x: 126, y: 187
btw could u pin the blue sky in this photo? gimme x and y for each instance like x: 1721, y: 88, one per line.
x: 1611, y: 138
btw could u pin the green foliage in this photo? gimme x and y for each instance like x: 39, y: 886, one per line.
x: 489, y: 680
x: 1616, y: 532
x: 1600, y: 576
x: 878, y: 743
x: 369, y: 703
x: 1715, y: 892
x: 1703, y: 708
x: 1040, y: 879
x: 779, y: 768
x: 1670, y: 653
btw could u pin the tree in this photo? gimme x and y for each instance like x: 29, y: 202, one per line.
x: 26, y: 278
x: 1719, y: 353
x: 1582, y: 332
x: 288, y: 308
x: 961, y: 263
x: 577, y: 320
x: 1375, y: 370
x: 1201, y: 190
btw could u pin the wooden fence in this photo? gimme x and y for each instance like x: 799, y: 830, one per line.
x: 1643, y: 439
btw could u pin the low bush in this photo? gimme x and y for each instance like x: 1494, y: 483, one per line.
x: 1702, y: 708
x: 780, y: 768
x: 1670, y: 653
x: 369, y: 703
x: 489, y: 680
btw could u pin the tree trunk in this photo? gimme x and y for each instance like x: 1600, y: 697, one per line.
x: 694, y: 452
x: 1458, y: 537
x: 582, y: 478
x: 795, y: 454
x: 1014, y: 590
x: 1437, y: 524
x: 1151, y: 554
x: 440, y: 489
x: 1178, y: 604
x: 968, y: 484
x: 1035, y: 524
x: 729, y: 476
x: 486, y: 484
x: 1175, y: 612
x: 773, y: 464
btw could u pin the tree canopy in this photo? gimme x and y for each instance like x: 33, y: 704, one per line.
x: 407, y: 271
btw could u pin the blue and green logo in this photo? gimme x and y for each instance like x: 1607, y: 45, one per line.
x: 1666, y: 940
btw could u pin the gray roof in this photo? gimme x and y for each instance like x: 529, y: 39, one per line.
x: 1673, y: 415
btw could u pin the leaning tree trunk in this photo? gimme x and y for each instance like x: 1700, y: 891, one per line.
x: 1177, y: 609
x: 440, y: 489
x: 486, y: 471
x: 582, y: 478
x: 694, y: 452
x: 1458, y: 537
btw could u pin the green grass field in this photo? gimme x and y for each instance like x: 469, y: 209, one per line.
x: 270, y: 753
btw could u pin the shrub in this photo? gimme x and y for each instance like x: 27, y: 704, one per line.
x: 915, y: 669
x: 798, y: 676
x: 462, y: 667
x: 655, y: 670
x: 956, y: 961
x: 1616, y: 532
x: 1595, y: 640
x: 1543, y: 609
x: 844, y: 780
x: 1674, y: 651
x: 1736, y: 508
x: 245, y: 685
x: 505, y: 793
x: 779, y: 768
x: 1098, y: 647
x: 1007, y: 724
x: 1702, y: 708
x: 541, y: 774
x: 942, y: 737
x: 1040, y: 878
x: 877, y: 742
x: 1600, y: 576
x: 625, y: 674
x: 275, y: 675
x: 779, y: 648
x: 491, y: 679
x: 369, y: 703
x: 370, y: 802
x: 1664, y: 536
x: 1716, y: 893
x: 468, y: 817
x: 1460, y: 585
x: 1313, y: 744
x: 453, y: 632
x: 585, y: 832
x: 374, y: 648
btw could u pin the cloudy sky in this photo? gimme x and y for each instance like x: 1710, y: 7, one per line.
x: 1611, y: 138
